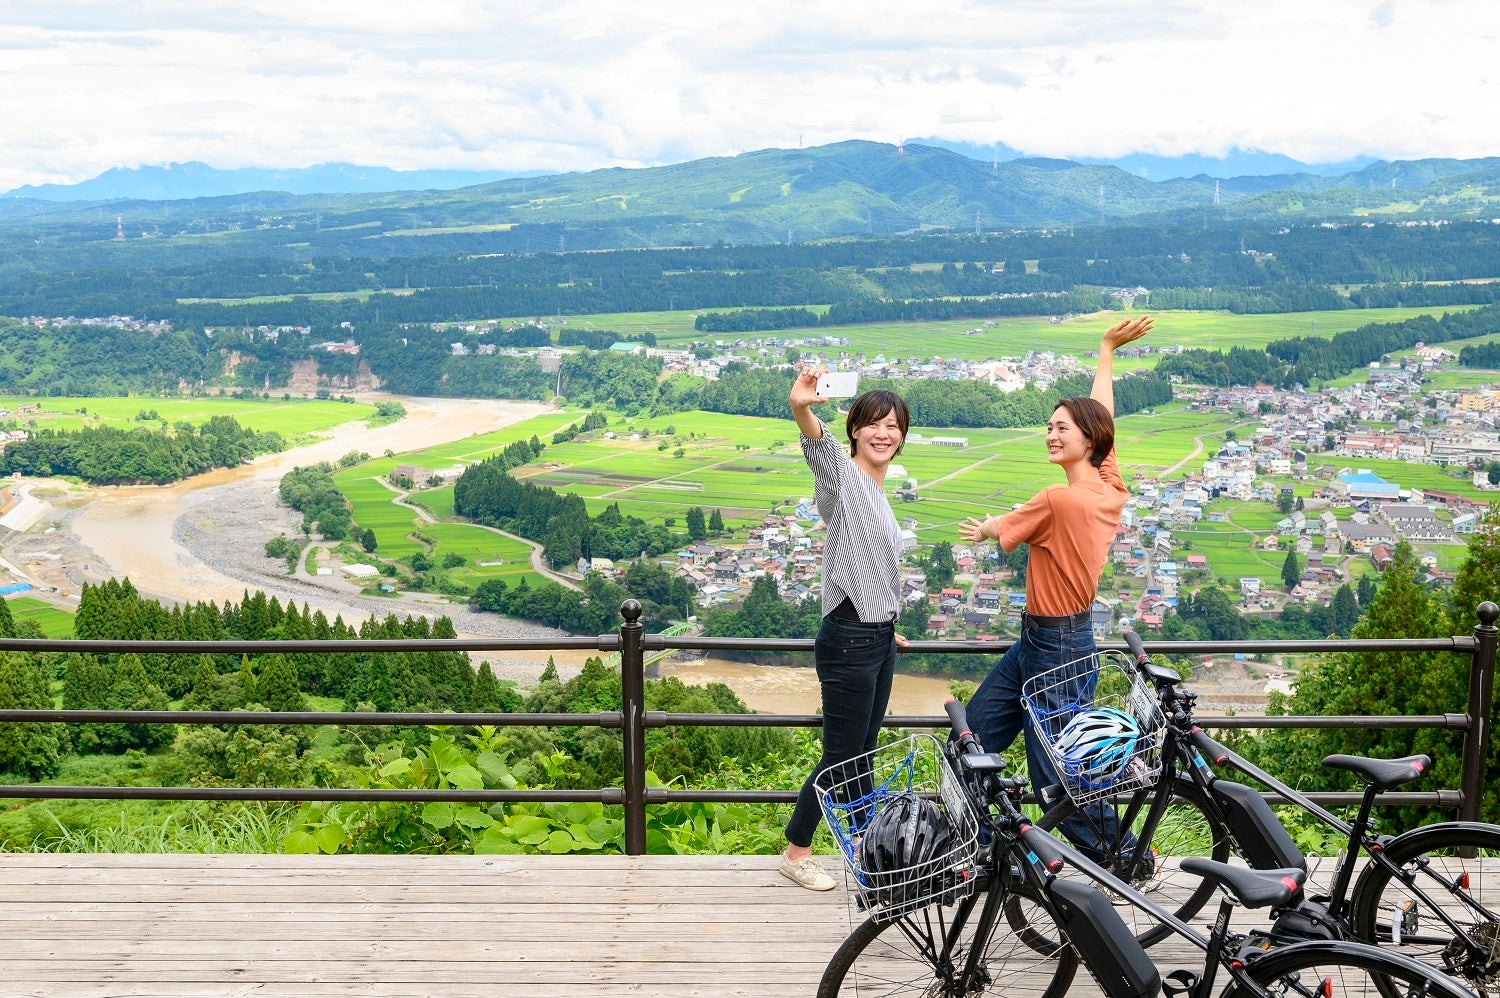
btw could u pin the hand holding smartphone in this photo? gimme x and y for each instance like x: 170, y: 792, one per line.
x: 838, y: 384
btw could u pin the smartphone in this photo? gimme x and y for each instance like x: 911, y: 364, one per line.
x: 838, y: 385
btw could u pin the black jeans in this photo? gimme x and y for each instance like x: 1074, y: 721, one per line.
x: 855, y: 663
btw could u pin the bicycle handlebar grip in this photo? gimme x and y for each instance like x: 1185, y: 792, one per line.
x: 958, y: 716
x: 1047, y: 849
x: 1136, y: 646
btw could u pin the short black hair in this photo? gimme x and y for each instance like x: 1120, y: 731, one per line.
x: 872, y: 407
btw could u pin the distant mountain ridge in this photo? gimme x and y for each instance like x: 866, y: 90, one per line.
x: 176, y: 181
x: 853, y: 188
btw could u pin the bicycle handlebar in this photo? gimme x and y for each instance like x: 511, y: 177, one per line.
x: 1136, y: 646
x: 958, y: 716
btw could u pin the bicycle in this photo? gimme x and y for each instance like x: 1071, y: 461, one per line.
x: 1417, y: 892
x: 1000, y: 919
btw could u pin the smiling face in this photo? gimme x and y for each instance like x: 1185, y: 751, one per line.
x: 876, y: 427
x: 1066, y: 443
x: 876, y: 443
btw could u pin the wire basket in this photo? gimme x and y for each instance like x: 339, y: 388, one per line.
x: 864, y: 787
x: 1104, y: 681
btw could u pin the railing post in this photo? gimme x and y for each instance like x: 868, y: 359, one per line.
x: 633, y: 708
x: 1480, y: 707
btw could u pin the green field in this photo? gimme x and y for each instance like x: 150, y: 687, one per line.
x: 401, y: 532
x: 747, y: 467
x: 293, y: 418
x: 55, y: 623
x: 1016, y: 336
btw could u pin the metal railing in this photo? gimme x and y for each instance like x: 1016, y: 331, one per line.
x: 633, y: 720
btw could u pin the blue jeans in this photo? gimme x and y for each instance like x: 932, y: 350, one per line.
x: 855, y: 663
x: 996, y: 714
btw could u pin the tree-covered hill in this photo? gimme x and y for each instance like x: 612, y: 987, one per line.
x: 766, y: 196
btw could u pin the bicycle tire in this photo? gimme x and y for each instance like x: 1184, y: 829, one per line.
x: 1378, y: 896
x: 1188, y: 828
x: 900, y: 957
x: 1356, y: 970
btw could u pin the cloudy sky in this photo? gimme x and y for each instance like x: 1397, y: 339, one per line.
x: 578, y: 84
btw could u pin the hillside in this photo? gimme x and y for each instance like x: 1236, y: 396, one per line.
x: 766, y: 196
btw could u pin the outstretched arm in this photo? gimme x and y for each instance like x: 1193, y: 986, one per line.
x: 804, y: 396
x: 1115, y: 336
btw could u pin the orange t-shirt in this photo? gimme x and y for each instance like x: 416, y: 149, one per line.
x: 1070, y: 529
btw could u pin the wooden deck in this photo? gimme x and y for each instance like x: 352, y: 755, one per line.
x: 440, y: 926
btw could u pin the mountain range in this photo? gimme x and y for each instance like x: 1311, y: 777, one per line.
x: 849, y: 188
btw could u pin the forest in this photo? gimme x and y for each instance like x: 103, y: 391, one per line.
x: 108, y: 455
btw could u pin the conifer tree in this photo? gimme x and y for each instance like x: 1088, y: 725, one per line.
x: 1475, y: 582
x: 1291, y: 570
x: 132, y: 689
x: 277, y: 687
x: 484, y: 698
x: 31, y: 750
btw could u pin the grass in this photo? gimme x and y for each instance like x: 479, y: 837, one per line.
x: 1015, y: 336
x: 401, y: 532
x: 54, y: 622
x: 746, y: 467
x: 293, y: 418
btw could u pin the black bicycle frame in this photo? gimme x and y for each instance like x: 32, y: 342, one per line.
x: 1189, y: 744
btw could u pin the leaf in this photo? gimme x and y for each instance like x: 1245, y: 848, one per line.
x: 494, y: 770
x: 330, y: 838
x: 559, y: 842
x: 299, y: 843
x: 494, y: 841
x: 527, y: 824
x: 605, y: 829
x: 438, y: 814
x: 396, y: 767
x: 466, y: 777
x: 470, y: 816
x: 445, y: 755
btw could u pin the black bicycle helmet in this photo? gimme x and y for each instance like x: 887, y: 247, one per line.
x: 905, y: 849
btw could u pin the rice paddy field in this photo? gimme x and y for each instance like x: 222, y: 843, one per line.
x: 54, y: 622
x: 970, y: 340
x: 655, y: 468
x: 293, y: 418
x: 402, y: 532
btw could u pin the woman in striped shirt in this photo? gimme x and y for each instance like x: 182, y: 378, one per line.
x: 855, y: 651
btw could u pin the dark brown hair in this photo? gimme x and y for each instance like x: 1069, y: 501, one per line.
x: 1093, y: 421
x: 872, y: 407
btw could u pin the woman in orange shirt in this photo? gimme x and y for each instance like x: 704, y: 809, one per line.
x: 1069, y: 528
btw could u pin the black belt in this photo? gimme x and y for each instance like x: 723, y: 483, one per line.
x: 845, y: 613
x: 1036, y: 620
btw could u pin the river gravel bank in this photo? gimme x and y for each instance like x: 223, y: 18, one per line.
x: 227, y: 530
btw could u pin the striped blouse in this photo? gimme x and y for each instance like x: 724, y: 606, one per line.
x: 862, y: 545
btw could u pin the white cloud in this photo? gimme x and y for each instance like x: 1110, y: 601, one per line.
x: 579, y: 84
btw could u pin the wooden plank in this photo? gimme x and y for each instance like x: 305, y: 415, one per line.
x: 167, y: 925
x: 125, y: 925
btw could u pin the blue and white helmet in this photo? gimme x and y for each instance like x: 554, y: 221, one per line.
x: 1096, y: 744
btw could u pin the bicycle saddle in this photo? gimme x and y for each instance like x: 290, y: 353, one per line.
x: 1382, y: 774
x: 1253, y: 888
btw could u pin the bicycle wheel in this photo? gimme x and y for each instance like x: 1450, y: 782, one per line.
x: 1186, y: 827
x: 1345, y: 970
x: 1402, y: 911
x: 908, y: 956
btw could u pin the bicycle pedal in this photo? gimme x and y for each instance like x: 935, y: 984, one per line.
x: 1179, y: 982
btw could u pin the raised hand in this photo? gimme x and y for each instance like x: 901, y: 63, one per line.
x: 972, y: 530
x: 805, y: 388
x: 1125, y: 331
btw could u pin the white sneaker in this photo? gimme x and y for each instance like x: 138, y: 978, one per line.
x: 807, y: 873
